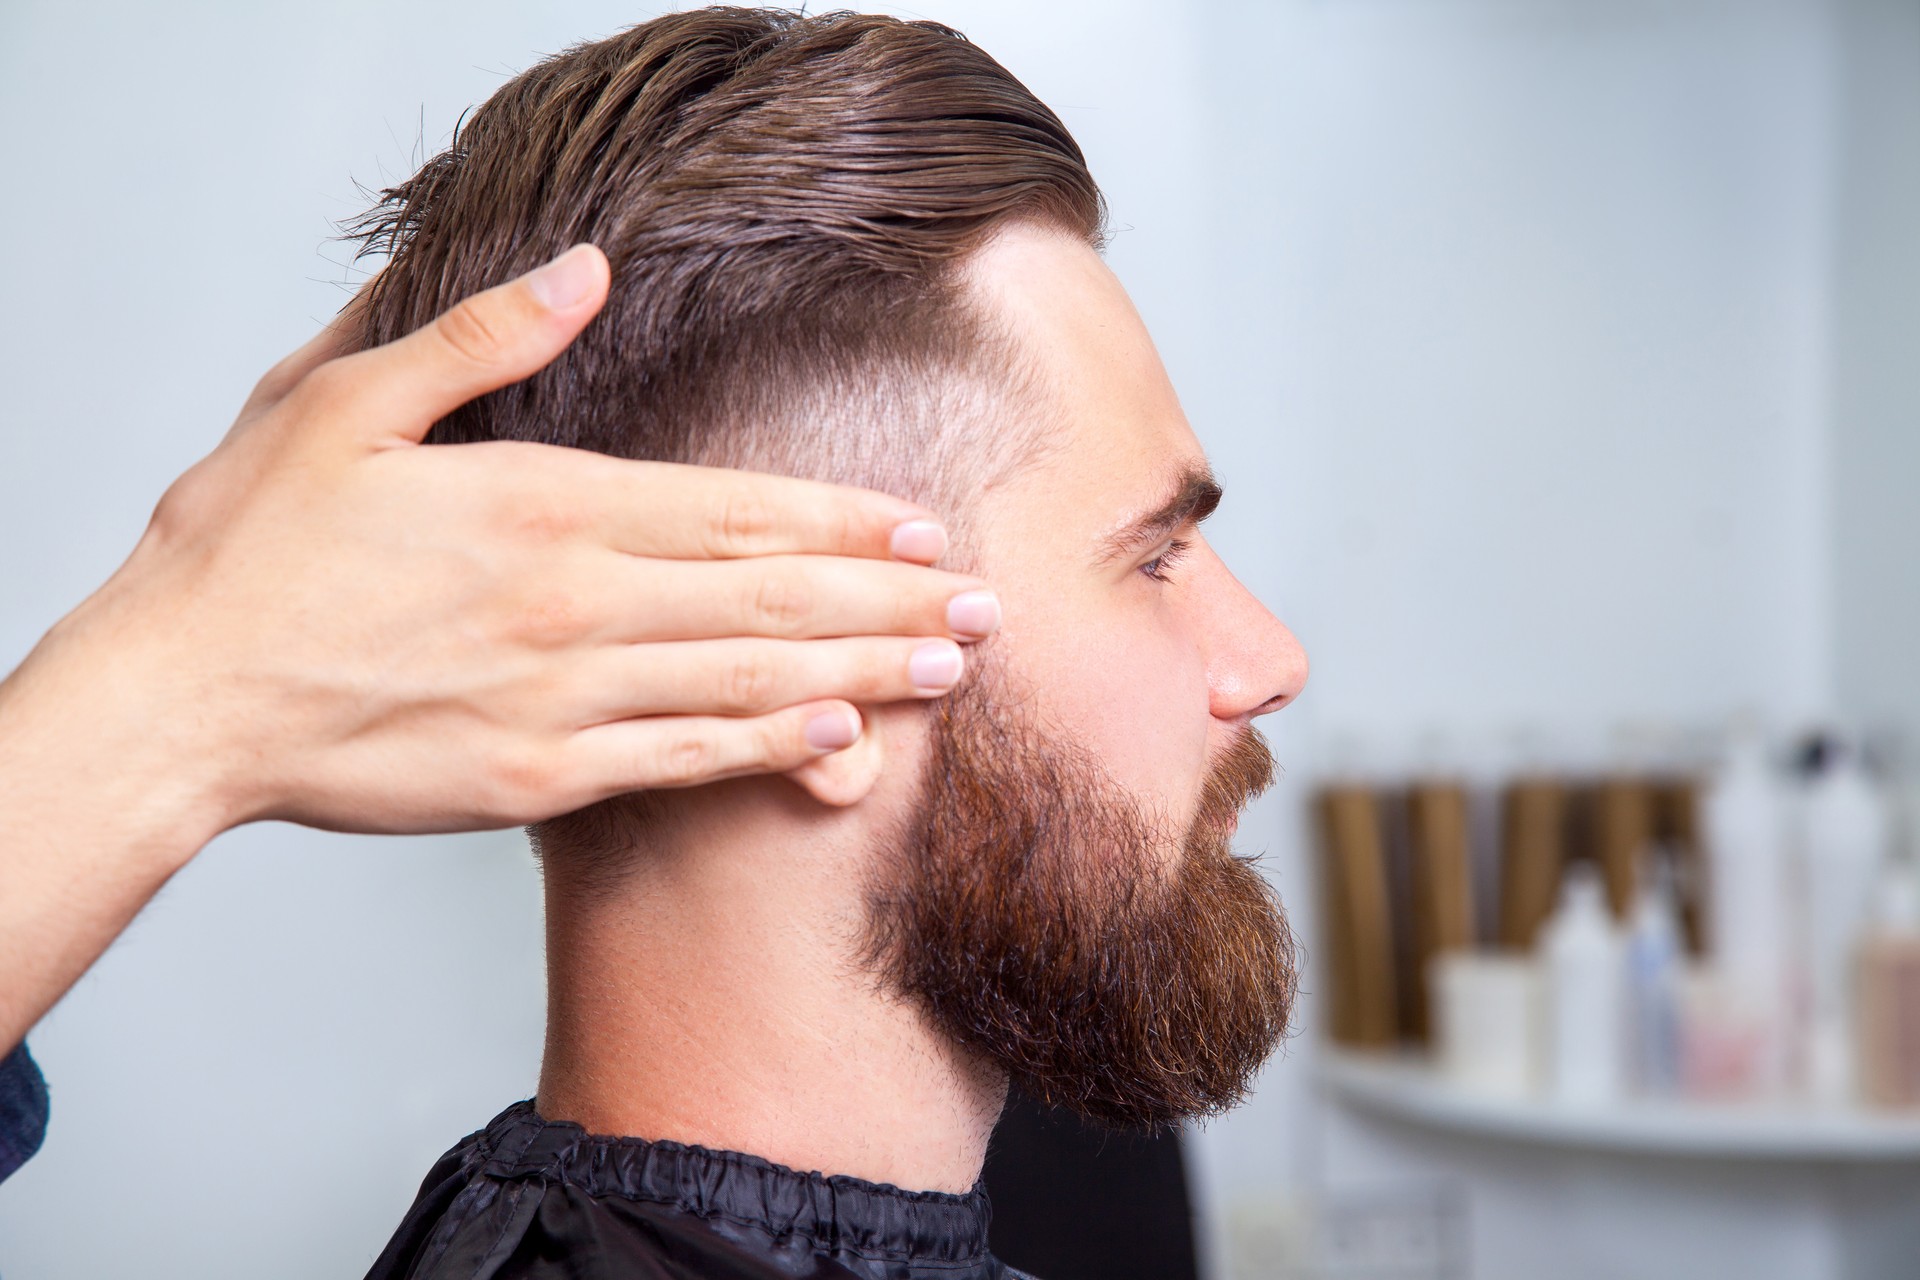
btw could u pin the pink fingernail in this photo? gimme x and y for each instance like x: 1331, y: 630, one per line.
x: 562, y: 283
x: 833, y: 730
x: 974, y: 613
x: 920, y: 540
x: 935, y: 666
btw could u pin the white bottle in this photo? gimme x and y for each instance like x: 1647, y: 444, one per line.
x: 1653, y: 983
x: 1487, y: 1022
x: 1744, y: 827
x: 1846, y: 844
x: 1586, y: 1055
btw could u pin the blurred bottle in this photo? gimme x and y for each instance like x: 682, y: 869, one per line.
x: 1654, y: 952
x: 1743, y: 818
x: 1533, y: 832
x: 1888, y: 1010
x: 1487, y: 1033
x: 1845, y: 847
x: 1440, y: 849
x: 1722, y: 1040
x: 1582, y: 959
x: 1620, y: 816
x: 1357, y: 919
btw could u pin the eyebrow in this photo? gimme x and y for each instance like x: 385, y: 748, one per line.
x: 1195, y: 494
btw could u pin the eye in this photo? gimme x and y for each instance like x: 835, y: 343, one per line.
x: 1158, y: 568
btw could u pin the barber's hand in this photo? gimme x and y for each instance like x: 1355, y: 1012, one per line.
x: 329, y: 623
x: 354, y: 631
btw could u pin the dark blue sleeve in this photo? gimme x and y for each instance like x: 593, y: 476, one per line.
x: 23, y: 1109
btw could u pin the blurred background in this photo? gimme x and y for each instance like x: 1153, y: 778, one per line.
x: 1562, y: 362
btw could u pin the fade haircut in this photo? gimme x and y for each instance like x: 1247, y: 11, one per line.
x: 787, y: 203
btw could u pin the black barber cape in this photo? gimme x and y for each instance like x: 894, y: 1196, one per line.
x: 533, y: 1199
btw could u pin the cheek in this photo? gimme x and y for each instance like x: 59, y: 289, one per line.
x: 1137, y: 698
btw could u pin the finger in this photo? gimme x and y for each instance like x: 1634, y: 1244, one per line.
x: 685, y: 751
x: 493, y: 338
x: 802, y: 598
x: 338, y: 337
x: 750, y: 677
x: 709, y: 513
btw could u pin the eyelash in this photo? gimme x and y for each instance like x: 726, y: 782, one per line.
x: 1157, y: 567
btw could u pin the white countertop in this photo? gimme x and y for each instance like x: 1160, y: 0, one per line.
x: 1408, y: 1089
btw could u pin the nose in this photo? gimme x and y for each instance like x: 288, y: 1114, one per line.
x: 1254, y: 663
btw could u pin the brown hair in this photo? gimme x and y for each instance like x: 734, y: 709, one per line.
x: 785, y: 201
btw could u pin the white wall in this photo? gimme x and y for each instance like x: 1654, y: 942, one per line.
x: 1506, y: 325
x: 1876, y: 361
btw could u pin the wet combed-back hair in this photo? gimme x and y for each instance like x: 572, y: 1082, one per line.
x: 785, y: 201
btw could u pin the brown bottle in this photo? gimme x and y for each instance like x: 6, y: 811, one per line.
x: 1621, y: 816
x: 1441, y: 857
x: 1676, y: 824
x: 1532, y: 852
x: 1359, y: 930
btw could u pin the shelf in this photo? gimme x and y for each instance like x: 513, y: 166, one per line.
x: 1407, y: 1089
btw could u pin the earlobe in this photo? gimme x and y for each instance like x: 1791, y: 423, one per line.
x: 845, y: 777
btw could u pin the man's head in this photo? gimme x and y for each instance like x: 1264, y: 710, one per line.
x: 857, y: 249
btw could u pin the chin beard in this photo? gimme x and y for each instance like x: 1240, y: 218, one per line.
x: 1131, y: 974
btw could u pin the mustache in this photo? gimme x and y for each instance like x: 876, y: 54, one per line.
x: 1243, y: 772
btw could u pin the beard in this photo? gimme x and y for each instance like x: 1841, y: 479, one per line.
x: 1135, y: 975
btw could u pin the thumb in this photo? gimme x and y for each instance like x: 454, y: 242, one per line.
x: 489, y: 340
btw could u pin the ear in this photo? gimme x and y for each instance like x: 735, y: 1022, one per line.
x: 846, y: 777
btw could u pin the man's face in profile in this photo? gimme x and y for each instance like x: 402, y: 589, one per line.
x: 1065, y: 900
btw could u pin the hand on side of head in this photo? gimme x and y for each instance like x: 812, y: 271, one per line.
x: 354, y: 631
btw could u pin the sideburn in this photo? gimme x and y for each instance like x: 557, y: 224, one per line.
x: 1029, y: 908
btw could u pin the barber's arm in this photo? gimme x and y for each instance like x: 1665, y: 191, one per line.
x: 327, y: 623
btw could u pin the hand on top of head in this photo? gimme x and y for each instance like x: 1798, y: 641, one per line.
x: 367, y: 634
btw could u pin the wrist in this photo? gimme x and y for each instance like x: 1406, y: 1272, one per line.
x: 93, y: 821
x: 91, y: 747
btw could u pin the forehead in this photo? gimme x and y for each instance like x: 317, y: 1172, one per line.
x: 1120, y: 440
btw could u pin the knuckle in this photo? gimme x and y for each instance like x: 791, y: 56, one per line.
x: 471, y: 334
x: 190, y: 504
x: 744, y: 522
x: 178, y: 509
x: 332, y: 383
x: 777, y: 740
x: 684, y: 761
x: 274, y: 383
x: 523, y: 781
x: 854, y: 528
x: 750, y: 684
x: 546, y: 524
x: 782, y: 604
x: 548, y: 618
x: 917, y: 612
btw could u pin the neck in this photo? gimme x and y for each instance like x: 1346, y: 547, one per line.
x: 715, y: 996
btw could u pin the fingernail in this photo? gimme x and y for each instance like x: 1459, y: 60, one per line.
x: 921, y: 540
x: 935, y: 666
x: 566, y: 280
x: 974, y: 613
x: 833, y: 730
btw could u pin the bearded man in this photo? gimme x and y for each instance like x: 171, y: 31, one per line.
x: 781, y: 1021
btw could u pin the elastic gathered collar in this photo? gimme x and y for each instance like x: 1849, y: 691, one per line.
x: 832, y: 1213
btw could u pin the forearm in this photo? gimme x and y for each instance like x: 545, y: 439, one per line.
x: 99, y: 805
